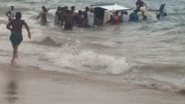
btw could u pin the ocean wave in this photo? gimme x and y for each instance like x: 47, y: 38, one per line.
x: 3, y: 29
x: 162, y: 86
x: 177, y: 14
x: 89, y: 61
x: 173, y: 68
x: 165, y: 77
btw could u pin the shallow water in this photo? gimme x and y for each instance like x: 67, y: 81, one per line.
x: 149, y: 53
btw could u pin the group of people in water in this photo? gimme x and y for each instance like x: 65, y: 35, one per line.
x: 67, y: 18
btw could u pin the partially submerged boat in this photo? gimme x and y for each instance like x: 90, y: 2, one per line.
x: 103, y: 11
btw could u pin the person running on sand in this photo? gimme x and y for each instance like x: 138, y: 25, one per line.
x: 15, y: 26
x: 11, y: 13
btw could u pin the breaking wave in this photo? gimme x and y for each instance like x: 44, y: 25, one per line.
x: 89, y: 61
x: 159, y: 76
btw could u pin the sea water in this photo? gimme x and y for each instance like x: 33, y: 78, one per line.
x: 149, y: 53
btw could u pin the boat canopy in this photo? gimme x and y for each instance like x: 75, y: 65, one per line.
x: 103, y: 11
x: 111, y: 7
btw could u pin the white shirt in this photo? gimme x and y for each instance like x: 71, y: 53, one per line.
x: 125, y: 18
x: 11, y: 14
x: 90, y: 19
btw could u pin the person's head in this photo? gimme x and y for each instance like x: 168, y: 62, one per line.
x: 86, y: 8
x: 80, y: 12
x: 66, y: 8
x: 43, y: 7
x: 73, y: 8
x: 125, y: 12
x: 12, y: 7
x: 18, y: 15
x: 116, y: 13
x: 58, y: 8
x: 139, y: 0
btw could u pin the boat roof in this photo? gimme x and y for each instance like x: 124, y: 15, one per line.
x: 110, y: 7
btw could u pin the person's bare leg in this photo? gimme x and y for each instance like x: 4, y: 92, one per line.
x: 15, y: 54
x: 143, y: 14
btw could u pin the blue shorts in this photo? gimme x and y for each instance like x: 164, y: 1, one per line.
x: 16, y: 38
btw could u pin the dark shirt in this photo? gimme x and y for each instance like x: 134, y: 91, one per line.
x: 79, y: 19
x: 68, y: 18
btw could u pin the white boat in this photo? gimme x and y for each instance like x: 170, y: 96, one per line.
x: 103, y: 11
x: 110, y: 7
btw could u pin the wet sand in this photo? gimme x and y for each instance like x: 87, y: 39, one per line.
x: 34, y: 86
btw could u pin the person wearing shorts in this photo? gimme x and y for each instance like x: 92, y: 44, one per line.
x: 15, y: 26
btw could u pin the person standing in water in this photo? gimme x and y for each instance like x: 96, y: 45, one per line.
x: 141, y: 6
x: 90, y: 18
x: 11, y: 13
x: 15, y: 26
x: 124, y: 17
x: 68, y: 19
x: 43, y: 15
x: 57, y: 15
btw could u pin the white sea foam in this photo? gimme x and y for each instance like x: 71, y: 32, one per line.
x: 89, y: 61
x: 3, y: 29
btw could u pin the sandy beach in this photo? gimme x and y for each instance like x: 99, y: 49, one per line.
x: 34, y: 86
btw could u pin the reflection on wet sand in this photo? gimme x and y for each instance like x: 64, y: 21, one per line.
x: 12, y: 92
x: 11, y: 88
x: 32, y: 86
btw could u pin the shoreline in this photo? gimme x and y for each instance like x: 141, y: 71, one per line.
x: 33, y: 86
